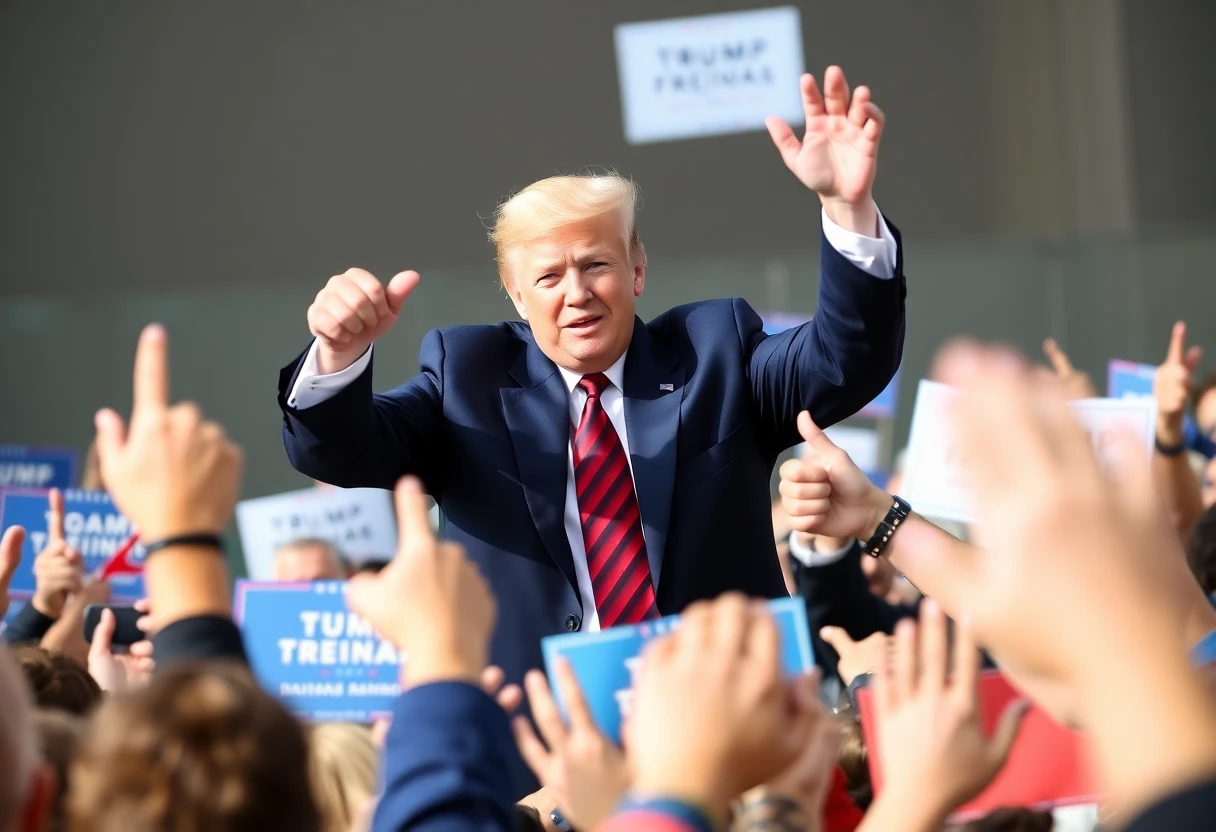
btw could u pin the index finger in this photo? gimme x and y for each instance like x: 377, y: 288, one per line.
x: 1177, y: 344
x: 413, y: 517
x: 1057, y: 357
x: 151, y: 370
x: 54, y: 516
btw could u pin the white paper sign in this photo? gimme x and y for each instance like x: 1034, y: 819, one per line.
x: 360, y: 521
x: 709, y: 75
x: 935, y: 479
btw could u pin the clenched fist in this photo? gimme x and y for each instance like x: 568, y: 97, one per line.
x: 351, y: 312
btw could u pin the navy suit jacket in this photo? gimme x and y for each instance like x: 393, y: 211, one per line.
x: 710, y: 401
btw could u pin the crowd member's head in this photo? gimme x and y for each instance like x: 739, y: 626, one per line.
x: 345, y: 768
x: 202, y: 748
x: 57, y: 680
x: 310, y: 559
x: 570, y: 257
x: 59, y: 733
x: 852, y: 761
x: 1204, y: 403
x: 27, y: 788
x: 1201, y: 550
x: 1012, y: 819
x: 1207, y: 484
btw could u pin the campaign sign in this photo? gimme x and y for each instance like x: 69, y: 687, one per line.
x: 935, y: 482
x: 22, y: 466
x: 322, y: 660
x: 709, y: 75
x: 777, y: 322
x: 1129, y: 380
x: 359, y: 521
x: 92, y: 525
x: 1046, y: 768
x: 604, y: 662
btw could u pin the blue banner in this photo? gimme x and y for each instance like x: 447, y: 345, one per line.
x: 777, y: 322
x: 22, y: 466
x: 323, y: 661
x: 603, y: 662
x: 1129, y: 380
x: 92, y: 525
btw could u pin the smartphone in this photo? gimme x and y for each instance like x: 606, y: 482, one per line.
x: 126, y: 632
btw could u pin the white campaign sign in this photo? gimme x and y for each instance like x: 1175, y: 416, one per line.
x: 360, y: 521
x: 935, y: 478
x: 709, y: 75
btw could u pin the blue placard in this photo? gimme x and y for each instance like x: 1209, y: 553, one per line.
x: 92, y: 525
x: 1129, y: 380
x: 22, y: 466
x: 324, y: 662
x: 884, y: 405
x: 602, y: 662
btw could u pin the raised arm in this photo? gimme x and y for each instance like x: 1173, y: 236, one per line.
x: 1171, y: 466
x: 840, y: 361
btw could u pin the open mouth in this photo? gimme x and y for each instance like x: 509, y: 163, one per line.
x: 585, y: 323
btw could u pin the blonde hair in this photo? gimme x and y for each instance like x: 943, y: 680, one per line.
x: 564, y: 200
x: 344, y: 768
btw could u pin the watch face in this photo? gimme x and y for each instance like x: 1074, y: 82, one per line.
x: 559, y: 821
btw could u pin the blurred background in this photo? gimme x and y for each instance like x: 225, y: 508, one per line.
x: 210, y: 165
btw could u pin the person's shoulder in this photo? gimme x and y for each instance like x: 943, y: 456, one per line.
x: 477, y: 338
x: 701, y: 316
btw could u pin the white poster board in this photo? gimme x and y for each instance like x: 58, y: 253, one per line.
x: 709, y: 75
x: 359, y: 521
x: 935, y: 480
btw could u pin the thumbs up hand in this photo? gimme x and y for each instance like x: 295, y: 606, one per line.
x: 1172, y: 386
x: 826, y: 493
x: 352, y: 311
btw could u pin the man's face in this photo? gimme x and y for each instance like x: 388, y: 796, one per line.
x: 577, y: 288
x: 307, y: 563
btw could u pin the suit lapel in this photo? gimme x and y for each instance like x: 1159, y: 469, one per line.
x: 654, y: 387
x: 538, y: 419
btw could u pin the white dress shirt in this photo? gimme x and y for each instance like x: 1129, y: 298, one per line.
x: 873, y: 255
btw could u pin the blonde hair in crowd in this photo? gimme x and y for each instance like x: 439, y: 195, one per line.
x: 565, y: 200
x: 344, y: 767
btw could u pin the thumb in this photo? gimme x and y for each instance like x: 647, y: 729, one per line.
x: 783, y: 136
x: 1193, y: 357
x: 111, y: 436
x: 838, y: 638
x: 399, y: 288
x: 10, y: 555
x: 815, y: 438
x: 103, y: 634
x: 1007, y: 732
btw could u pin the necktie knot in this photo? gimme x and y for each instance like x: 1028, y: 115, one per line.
x: 594, y: 384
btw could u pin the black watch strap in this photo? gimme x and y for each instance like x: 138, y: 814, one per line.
x: 896, y: 515
x: 1169, y: 450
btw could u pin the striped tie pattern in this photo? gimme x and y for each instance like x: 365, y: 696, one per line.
x: 608, y: 509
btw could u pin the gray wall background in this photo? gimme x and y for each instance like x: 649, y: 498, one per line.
x: 210, y: 165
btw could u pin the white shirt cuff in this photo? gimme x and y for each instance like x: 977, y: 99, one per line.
x: 809, y: 557
x: 312, y: 388
x: 873, y: 255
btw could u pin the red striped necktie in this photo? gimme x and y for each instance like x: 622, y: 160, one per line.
x: 608, y: 510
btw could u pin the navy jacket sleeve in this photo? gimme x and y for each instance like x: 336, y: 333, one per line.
x: 840, y: 361
x: 27, y: 625
x: 838, y: 595
x: 447, y: 762
x: 198, y: 638
x: 363, y: 439
x: 1190, y: 809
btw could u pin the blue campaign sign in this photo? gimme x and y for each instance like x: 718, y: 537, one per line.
x: 324, y: 662
x: 1129, y: 380
x: 604, y: 662
x: 883, y: 407
x: 22, y: 466
x: 92, y: 525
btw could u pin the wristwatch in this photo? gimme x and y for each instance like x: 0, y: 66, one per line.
x: 896, y: 515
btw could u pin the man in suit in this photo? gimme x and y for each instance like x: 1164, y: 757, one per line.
x: 598, y: 469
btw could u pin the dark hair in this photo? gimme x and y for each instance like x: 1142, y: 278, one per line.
x: 1201, y: 550
x: 1012, y: 819
x: 1202, y: 389
x: 201, y: 748
x: 57, y: 680
x: 59, y: 733
x: 527, y: 819
x: 371, y: 567
x: 853, y: 762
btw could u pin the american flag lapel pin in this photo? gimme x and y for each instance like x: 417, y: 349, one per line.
x: 667, y: 388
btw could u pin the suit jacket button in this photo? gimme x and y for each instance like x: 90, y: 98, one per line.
x: 572, y: 622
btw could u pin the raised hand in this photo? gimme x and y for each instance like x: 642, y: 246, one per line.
x: 934, y: 752
x: 1172, y: 386
x: 712, y: 715
x: 58, y: 569
x: 10, y: 559
x: 1077, y: 384
x: 430, y: 601
x: 172, y: 473
x: 838, y: 156
x: 585, y: 773
x: 826, y: 493
x: 118, y: 672
x: 351, y: 312
x: 857, y: 657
